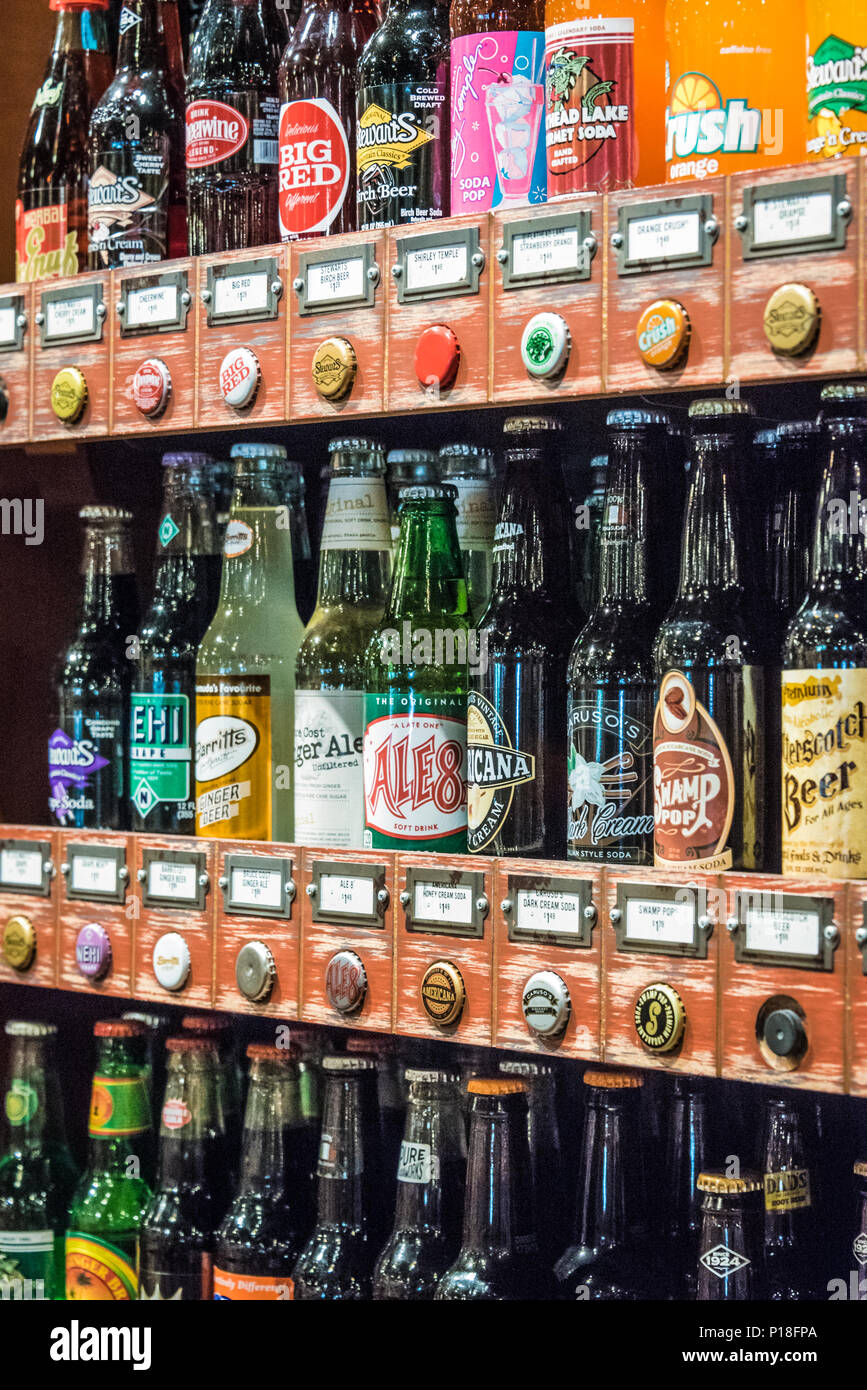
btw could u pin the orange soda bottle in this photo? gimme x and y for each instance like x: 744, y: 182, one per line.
x: 733, y: 82
x: 604, y: 94
x: 836, y: 78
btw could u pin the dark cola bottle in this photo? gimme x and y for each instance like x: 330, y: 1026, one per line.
x: 51, y: 210
x: 137, y: 207
x: 232, y: 116
x: 729, y: 1249
x: 220, y: 1033
x: 430, y: 1186
x: 792, y: 1258
x: 546, y: 1158
x: 686, y: 1152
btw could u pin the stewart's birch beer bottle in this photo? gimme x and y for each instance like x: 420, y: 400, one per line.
x: 416, y: 678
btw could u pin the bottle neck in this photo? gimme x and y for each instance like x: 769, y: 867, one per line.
x: 431, y: 1155
x: 709, y: 562
x: 272, y: 1112
x: 108, y: 571
x: 142, y: 44
x: 355, y: 560
x: 257, y: 549
x: 341, y: 1156
x: 623, y: 533
x: 191, y: 1121
x: 81, y: 31
x: 531, y: 536
x: 687, y: 1151
x: 602, y: 1194
x: 498, y: 1205
x: 840, y: 531
x: 187, y: 533
x: 119, y: 1115
x: 32, y: 1098
x: 429, y: 572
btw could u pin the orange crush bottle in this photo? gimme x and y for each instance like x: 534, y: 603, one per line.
x: 604, y: 94
x: 734, y: 86
x: 836, y: 78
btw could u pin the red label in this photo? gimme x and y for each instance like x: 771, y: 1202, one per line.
x: 693, y: 786
x: 176, y: 1114
x: 44, y: 247
x: 314, y: 167
x: 589, y: 117
x: 215, y: 132
x: 150, y: 387
x: 243, y: 1288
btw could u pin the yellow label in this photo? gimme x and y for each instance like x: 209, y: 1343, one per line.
x: 825, y: 773
x: 788, y: 1190
x: 233, y: 757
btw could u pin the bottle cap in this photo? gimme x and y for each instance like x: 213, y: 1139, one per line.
x: 796, y: 429
x: 410, y: 458
x: 860, y: 1168
x: 662, y: 334
x: 152, y: 1022
x: 190, y: 460
x: 20, y: 1028
x: 372, y: 1045
x: 354, y: 444
x: 257, y: 450
x: 345, y: 982
x: 78, y: 4
x: 267, y: 1052
x: 93, y: 951
x: 511, y: 1068
x: 239, y: 377
x: 635, y: 420
x: 152, y: 387
x: 784, y: 1032
x: 546, y: 1003
x: 791, y: 319
x: 532, y: 424
x: 437, y: 356
x: 718, y: 1181
x: 443, y: 993
x: 171, y: 961
x: 119, y: 1028
x: 612, y: 1080
x: 660, y: 1017
x: 495, y: 1086
x: 19, y: 943
x: 334, y: 368
x: 716, y: 408
x: 431, y: 1076
x: 428, y: 492
x: 843, y: 400
x: 69, y: 395
x: 205, y: 1023
x: 255, y: 971
x: 341, y: 1062
x: 191, y: 1044
x: 465, y: 461
x: 844, y: 391
x: 546, y: 344
x: 117, y: 515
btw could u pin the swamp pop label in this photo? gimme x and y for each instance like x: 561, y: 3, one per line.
x: 693, y: 784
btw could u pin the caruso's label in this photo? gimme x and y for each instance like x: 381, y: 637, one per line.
x: 329, y: 768
x: 610, y: 771
x: 693, y: 782
x: 497, y: 104
x: 824, y: 721
x: 415, y: 748
x: 233, y: 757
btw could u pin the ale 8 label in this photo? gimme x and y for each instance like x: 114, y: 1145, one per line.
x: 415, y: 748
x: 233, y: 757
x: 329, y: 767
x: 788, y: 1190
x: 418, y: 1163
x: 101, y: 1270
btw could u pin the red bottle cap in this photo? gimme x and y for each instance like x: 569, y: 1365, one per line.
x: 118, y: 1028
x: 78, y: 4
x: 152, y: 386
x: 437, y: 356
x: 190, y: 1044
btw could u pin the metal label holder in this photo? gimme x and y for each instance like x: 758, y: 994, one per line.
x: 175, y: 856
x: 370, y: 276
x: 708, y: 232
x: 234, y: 270
x: 841, y: 211
x: 581, y: 888
x: 468, y: 237
x: 579, y: 218
x: 341, y: 868
x: 172, y: 279
x: 260, y: 864
x: 823, y: 959
x: 43, y: 848
x: 451, y: 878
x: 702, y: 926
x: 15, y: 303
x: 113, y: 854
x: 93, y: 292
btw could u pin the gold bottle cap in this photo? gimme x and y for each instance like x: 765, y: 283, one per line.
x: 860, y: 1169
x: 612, y: 1080
x: 69, y: 395
x: 442, y: 993
x: 717, y: 1181
x: 662, y: 334
x: 19, y: 943
x: 333, y: 368
x: 791, y: 319
x: 495, y: 1086
x: 659, y: 1017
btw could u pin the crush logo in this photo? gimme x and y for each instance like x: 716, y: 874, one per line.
x: 494, y: 769
x: 215, y: 132
x: 313, y: 167
x: 699, y: 122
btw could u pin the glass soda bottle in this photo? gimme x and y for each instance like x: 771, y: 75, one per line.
x: 415, y: 683
x: 354, y: 577
x: 88, y: 750
x: 546, y: 1158
x: 729, y: 1258
x: 497, y: 104
x: 106, y: 1211
x: 231, y: 118
x: 37, y: 1172
x: 686, y: 1145
x: 51, y: 209
x: 163, y: 715
x: 406, y: 467
x: 220, y: 1033
x: 791, y: 1265
x: 136, y: 199
x: 471, y: 471
x: 245, y: 670
x: 263, y: 1230
x: 859, y: 1239
x: 302, y: 552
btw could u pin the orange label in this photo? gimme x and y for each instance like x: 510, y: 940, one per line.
x: 264, y: 1288
x: 233, y: 757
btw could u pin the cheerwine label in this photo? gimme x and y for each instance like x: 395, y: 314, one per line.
x: 494, y: 769
x: 610, y: 770
x: 403, y: 152
x: 314, y: 167
x: 589, y: 112
x: 233, y: 757
x: 415, y: 748
x: 127, y: 208
x: 215, y: 132
x: 824, y: 719
x: 329, y: 768
x: 693, y: 781
x: 46, y: 242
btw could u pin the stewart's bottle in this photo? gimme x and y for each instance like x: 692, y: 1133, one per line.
x: 232, y: 115
x: 137, y: 208
x: 51, y: 211
x: 317, y: 82
x: 354, y: 575
x: 402, y: 160
x: 415, y: 683
x: 106, y: 1211
x: 708, y: 726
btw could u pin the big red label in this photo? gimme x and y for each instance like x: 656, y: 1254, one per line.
x: 693, y: 784
x: 215, y: 132
x: 415, y: 749
x: 314, y: 167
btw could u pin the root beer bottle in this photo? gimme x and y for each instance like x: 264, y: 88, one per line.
x: 686, y: 1147
x: 792, y: 1270
x: 546, y: 1159
x: 729, y: 1259
x: 708, y: 727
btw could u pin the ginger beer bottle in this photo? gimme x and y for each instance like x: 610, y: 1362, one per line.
x: 245, y: 671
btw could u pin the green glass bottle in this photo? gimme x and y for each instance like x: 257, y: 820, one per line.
x: 471, y: 470
x: 106, y: 1210
x: 416, y: 683
x: 354, y: 576
x: 37, y: 1172
x: 245, y: 671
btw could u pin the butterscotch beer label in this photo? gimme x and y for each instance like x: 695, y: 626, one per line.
x: 825, y: 772
x: 693, y: 784
x: 788, y: 1190
x: 233, y: 757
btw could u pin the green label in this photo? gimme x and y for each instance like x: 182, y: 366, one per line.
x: 415, y: 754
x: 837, y: 77
x: 119, y: 1105
x: 28, y: 1265
x: 100, y: 1270
x: 22, y: 1102
x: 160, y: 750
x: 168, y: 530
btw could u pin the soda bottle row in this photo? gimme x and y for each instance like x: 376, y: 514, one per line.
x: 379, y: 1172
x: 359, y: 119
